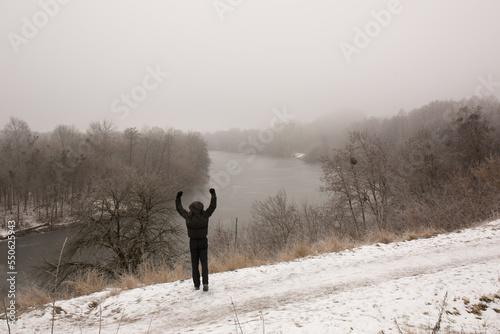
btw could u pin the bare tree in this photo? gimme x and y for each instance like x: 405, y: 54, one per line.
x: 18, y: 148
x: 357, y: 180
x: 166, y: 166
x: 131, y: 134
x: 342, y: 184
x: 125, y: 220
x: 471, y: 141
x: 65, y: 136
x: 276, y: 220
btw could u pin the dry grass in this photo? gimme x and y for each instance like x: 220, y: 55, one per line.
x: 92, y: 281
x: 386, y: 237
x: 422, y: 234
x: 152, y: 274
x: 162, y: 273
x: 382, y: 237
x: 220, y: 261
x: 333, y: 243
x: 233, y: 260
x: 113, y: 292
x: 295, y: 251
x: 31, y: 295
x: 85, y: 284
x: 127, y: 282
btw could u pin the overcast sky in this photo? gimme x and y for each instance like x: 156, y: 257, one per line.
x: 207, y: 65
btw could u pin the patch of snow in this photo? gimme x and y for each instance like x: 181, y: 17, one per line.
x: 299, y: 155
x: 369, y: 289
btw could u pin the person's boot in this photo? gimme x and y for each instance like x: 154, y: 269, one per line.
x: 205, y: 287
x: 197, y: 287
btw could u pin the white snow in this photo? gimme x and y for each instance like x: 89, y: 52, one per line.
x: 299, y: 155
x: 364, y: 290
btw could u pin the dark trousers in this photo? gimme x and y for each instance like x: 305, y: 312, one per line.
x: 199, y: 253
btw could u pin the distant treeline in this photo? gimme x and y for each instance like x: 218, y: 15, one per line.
x: 318, y: 138
x: 315, y: 138
x: 45, y: 175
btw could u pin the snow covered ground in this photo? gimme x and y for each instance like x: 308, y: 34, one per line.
x: 364, y: 290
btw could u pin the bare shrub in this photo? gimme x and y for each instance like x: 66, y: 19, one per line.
x: 276, y: 221
x: 315, y: 221
x: 489, y: 172
x: 222, y: 240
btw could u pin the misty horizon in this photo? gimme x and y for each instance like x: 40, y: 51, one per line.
x: 218, y: 65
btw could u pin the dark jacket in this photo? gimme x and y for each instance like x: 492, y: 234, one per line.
x: 196, y: 218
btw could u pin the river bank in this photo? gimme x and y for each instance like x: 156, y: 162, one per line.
x: 30, y: 226
x: 256, y: 178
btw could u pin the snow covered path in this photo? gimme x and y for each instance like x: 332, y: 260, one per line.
x: 365, y: 290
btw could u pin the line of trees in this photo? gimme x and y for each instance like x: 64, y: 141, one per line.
x: 314, y: 139
x: 442, y: 174
x: 43, y: 176
x: 116, y: 188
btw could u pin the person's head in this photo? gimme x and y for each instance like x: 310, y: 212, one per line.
x: 196, y: 206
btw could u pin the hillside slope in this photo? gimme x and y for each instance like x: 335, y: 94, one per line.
x: 365, y: 290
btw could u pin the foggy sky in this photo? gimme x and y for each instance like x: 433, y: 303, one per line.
x: 211, y: 65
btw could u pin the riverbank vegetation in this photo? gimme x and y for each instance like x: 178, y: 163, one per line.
x: 116, y: 189
x: 44, y: 176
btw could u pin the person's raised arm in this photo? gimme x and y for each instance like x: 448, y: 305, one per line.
x: 213, y: 202
x: 178, y: 205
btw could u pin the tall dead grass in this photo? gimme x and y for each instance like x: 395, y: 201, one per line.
x: 333, y: 243
x: 30, y: 296
x: 220, y: 260
x: 85, y: 284
x: 242, y: 257
x: 92, y: 281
